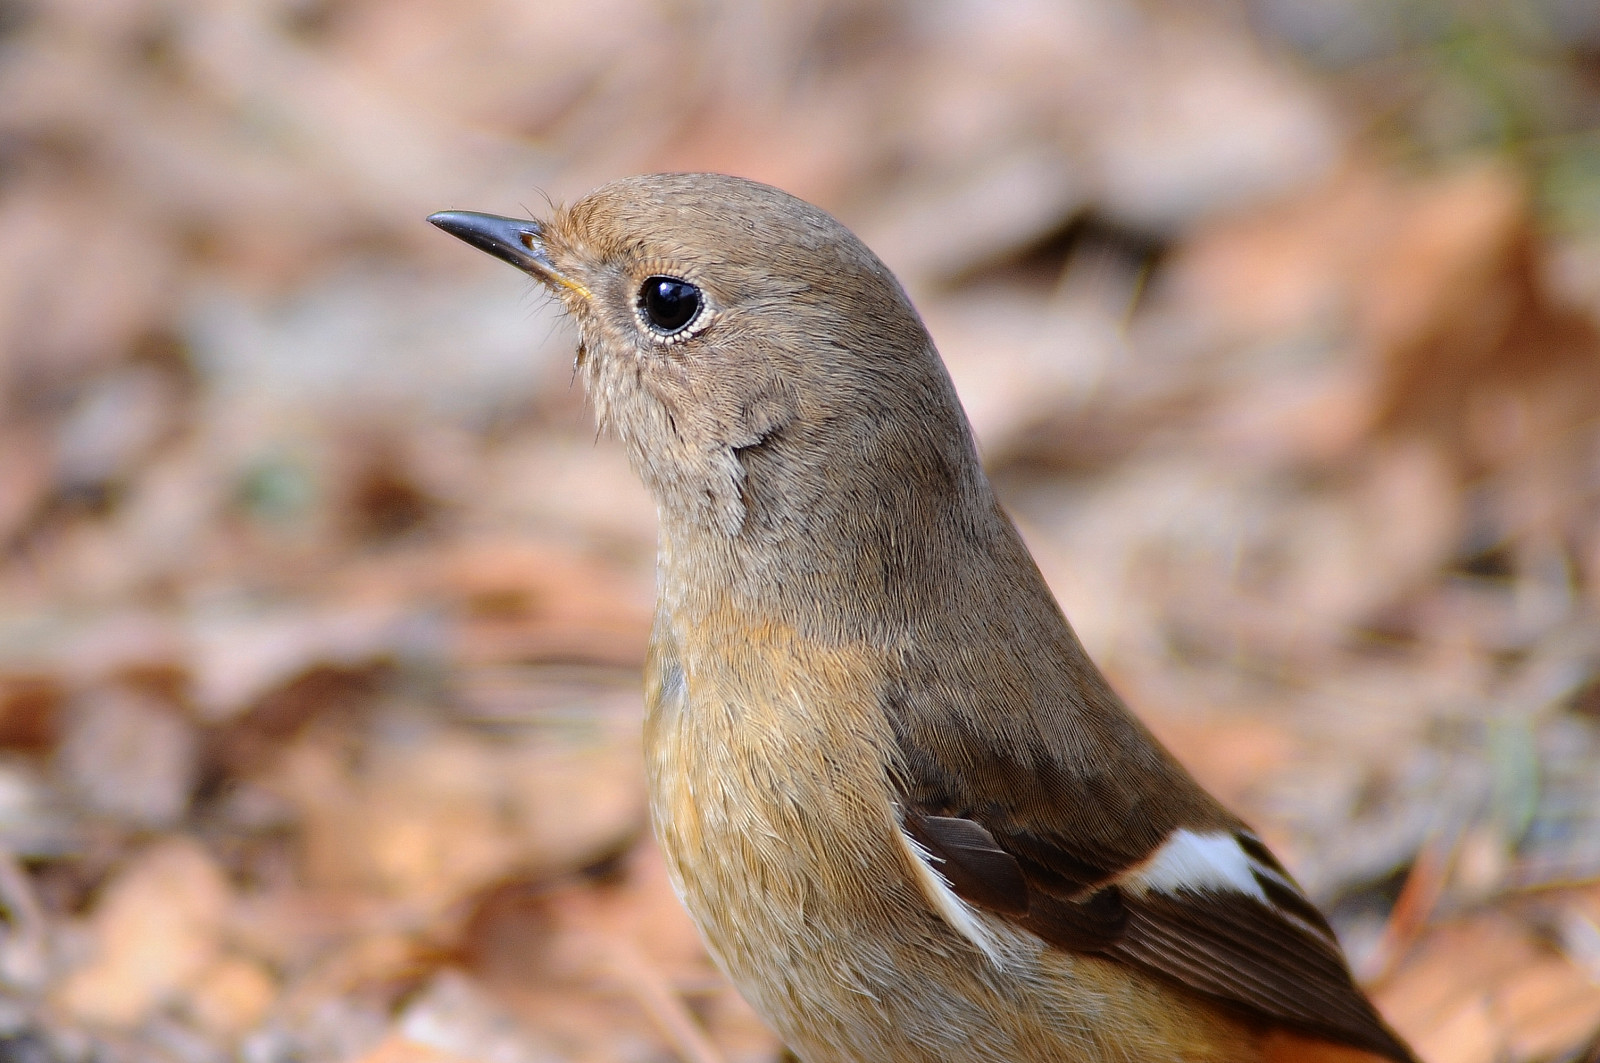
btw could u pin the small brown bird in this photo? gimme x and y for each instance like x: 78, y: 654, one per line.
x: 911, y: 818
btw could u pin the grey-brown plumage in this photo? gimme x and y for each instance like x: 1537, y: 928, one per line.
x: 910, y: 817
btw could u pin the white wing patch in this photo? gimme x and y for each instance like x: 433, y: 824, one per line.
x: 961, y: 916
x: 1198, y: 863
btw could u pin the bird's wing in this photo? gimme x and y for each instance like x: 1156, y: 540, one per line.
x: 1191, y: 897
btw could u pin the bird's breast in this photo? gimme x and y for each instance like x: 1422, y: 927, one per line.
x: 769, y: 790
x: 770, y: 795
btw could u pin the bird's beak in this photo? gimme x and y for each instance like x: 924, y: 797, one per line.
x: 519, y: 241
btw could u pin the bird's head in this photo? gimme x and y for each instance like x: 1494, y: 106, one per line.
x: 730, y: 333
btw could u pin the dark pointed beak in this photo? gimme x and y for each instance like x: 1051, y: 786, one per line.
x: 518, y: 241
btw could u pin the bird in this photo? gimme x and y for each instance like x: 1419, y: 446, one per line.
x: 910, y: 817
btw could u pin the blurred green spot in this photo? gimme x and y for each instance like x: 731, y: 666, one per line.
x: 277, y: 490
x: 1514, y: 762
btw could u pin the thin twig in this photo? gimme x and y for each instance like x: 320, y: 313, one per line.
x: 650, y: 988
x: 22, y: 956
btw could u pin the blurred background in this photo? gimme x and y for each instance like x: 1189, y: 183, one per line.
x: 322, y: 608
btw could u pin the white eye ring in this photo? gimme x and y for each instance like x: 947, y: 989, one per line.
x: 670, y: 308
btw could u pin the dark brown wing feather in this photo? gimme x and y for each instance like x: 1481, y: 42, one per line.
x: 1023, y: 851
x: 1246, y: 954
x: 1268, y: 964
x: 971, y: 862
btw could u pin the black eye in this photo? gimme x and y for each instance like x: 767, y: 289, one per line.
x: 668, y: 304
